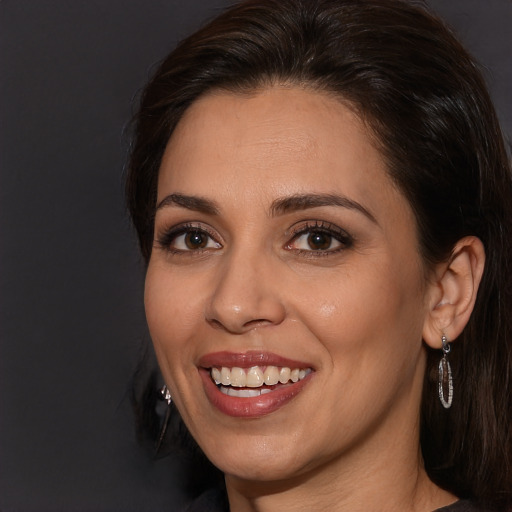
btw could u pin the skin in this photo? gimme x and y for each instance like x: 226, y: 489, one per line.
x: 357, y: 312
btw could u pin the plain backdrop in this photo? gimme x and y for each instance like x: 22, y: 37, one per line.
x: 71, y: 312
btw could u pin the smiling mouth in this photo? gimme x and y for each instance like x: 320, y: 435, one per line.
x: 256, y: 380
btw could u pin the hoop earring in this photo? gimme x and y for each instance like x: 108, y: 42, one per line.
x: 445, y: 382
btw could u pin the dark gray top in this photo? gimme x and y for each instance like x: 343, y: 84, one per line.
x: 215, y: 500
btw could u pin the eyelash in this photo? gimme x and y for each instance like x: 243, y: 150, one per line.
x: 169, y: 237
x: 320, y: 227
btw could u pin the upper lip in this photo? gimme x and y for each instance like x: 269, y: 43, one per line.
x: 248, y: 359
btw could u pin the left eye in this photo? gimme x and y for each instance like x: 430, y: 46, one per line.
x: 193, y: 240
x: 316, y: 241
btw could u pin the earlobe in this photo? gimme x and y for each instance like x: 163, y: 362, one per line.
x: 453, y: 291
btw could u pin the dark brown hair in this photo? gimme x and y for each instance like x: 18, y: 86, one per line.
x: 425, y: 101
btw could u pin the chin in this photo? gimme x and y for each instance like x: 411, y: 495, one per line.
x: 258, y: 458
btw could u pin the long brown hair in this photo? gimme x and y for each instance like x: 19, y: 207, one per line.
x: 424, y: 99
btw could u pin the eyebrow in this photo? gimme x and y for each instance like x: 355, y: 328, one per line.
x: 198, y: 204
x: 278, y: 207
x: 305, y: 201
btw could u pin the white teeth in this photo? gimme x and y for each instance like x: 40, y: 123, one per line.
x: 284, y: 375
x: 216, y: 376
x: 271, y: 375
x: 238, y: 377
x: 225, y: 376
x: 254, y: 377
x: 244, y: 393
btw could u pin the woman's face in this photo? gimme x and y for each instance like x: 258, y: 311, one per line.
x: 283, y: 251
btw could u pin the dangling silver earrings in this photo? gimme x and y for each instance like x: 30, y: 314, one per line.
x: 445, y: 383
x: 166, y: 394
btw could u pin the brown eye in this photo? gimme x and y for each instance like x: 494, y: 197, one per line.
x: 320, y: 238
x: 319, y: 241
x: 196, y: 240
x: 188, y: 239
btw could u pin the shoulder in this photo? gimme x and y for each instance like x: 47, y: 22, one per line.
x: 469, y: 506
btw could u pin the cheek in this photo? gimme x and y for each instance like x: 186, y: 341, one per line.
x: 172, y: 312
x: 369, y: 329
x: 370, y: 312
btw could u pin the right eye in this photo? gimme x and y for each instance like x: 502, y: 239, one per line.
x: 187, y: 239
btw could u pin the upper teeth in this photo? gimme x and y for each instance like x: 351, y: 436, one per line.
x: 255, y: 376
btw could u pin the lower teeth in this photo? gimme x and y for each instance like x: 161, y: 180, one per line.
x: 244, y: 393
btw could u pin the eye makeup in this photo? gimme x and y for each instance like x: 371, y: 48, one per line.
x: 318, y: 238
x: 188, y: 238
x: 310, y: 238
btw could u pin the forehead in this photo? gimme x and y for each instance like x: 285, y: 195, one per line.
x: 278, y: 141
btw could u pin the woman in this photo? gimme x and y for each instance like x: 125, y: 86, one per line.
x: 322, y: 196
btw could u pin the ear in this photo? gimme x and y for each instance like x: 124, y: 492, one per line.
x: 452, y: 292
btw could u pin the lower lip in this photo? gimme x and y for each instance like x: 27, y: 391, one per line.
x: 251, y: 407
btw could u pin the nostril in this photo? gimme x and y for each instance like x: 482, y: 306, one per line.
x: 260, y: 322
x: 216, y: 324
x: 247, y: 326
x: 237, y: 311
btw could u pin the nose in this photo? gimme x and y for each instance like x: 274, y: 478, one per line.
x: 246, y: 295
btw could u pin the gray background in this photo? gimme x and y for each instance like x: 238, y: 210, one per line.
x: 71, y: 317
